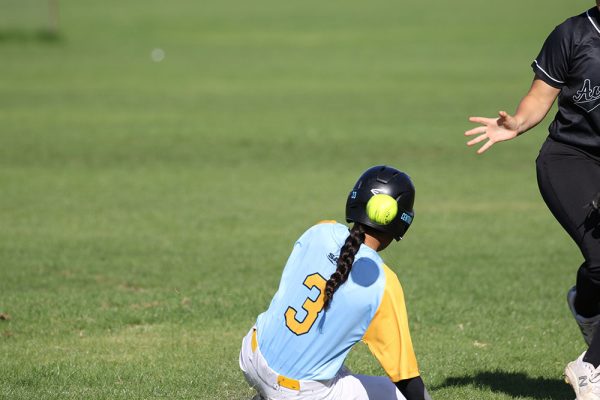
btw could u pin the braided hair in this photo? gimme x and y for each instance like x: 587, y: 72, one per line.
x: 344, y: 262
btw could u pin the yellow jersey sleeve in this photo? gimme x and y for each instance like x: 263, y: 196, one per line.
x: 388, y: 336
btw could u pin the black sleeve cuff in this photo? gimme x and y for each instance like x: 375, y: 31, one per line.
x: 543, y: 75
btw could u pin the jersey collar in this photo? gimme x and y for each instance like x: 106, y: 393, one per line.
x: 594, y: 17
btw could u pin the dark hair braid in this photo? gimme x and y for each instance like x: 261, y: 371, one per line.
x: 344, y: 262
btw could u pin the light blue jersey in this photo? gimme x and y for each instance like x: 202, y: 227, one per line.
x: 299, y: 339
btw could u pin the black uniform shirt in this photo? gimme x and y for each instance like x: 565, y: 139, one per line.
x: 570, y: 61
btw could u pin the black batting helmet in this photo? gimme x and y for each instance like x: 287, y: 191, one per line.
x: 382, y: 180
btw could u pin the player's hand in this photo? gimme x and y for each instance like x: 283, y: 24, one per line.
x: 505, y: 127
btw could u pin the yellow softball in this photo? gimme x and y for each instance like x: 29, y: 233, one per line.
x: 382, y: 209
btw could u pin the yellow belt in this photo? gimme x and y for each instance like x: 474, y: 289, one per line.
x: 284, y: 381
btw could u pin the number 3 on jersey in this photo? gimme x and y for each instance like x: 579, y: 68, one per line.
x: 312, y: 307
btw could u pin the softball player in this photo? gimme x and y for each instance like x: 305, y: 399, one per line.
x: 568, y: 166
x: 335, y: 291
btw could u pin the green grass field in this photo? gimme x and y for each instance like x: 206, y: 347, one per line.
x: 147, y: 208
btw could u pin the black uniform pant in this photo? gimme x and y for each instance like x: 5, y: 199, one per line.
x: 569, y: 178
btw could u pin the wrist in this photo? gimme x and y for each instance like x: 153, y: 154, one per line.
x: 520, y: 125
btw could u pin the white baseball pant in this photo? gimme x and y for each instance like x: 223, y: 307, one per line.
x: 344, y: 386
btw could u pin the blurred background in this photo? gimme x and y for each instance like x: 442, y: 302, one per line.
x: 159, y: 159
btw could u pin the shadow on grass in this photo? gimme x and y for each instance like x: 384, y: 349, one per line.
x: 24, y: 36
x: 514, y: 384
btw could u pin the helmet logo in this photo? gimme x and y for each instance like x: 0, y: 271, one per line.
x: 353, y: 194
x: 406, y: 218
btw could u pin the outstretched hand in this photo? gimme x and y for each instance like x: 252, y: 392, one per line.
x: 505, y: 127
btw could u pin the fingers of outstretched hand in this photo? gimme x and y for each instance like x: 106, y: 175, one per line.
x: 481, y: 120
x: 486, y: 123
x: 478, y: 139
x: 486, y: 146
x: 475, y: 131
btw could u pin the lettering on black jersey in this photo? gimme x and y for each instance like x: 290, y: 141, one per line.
x: 570, y: 61
x: 587, y: 97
